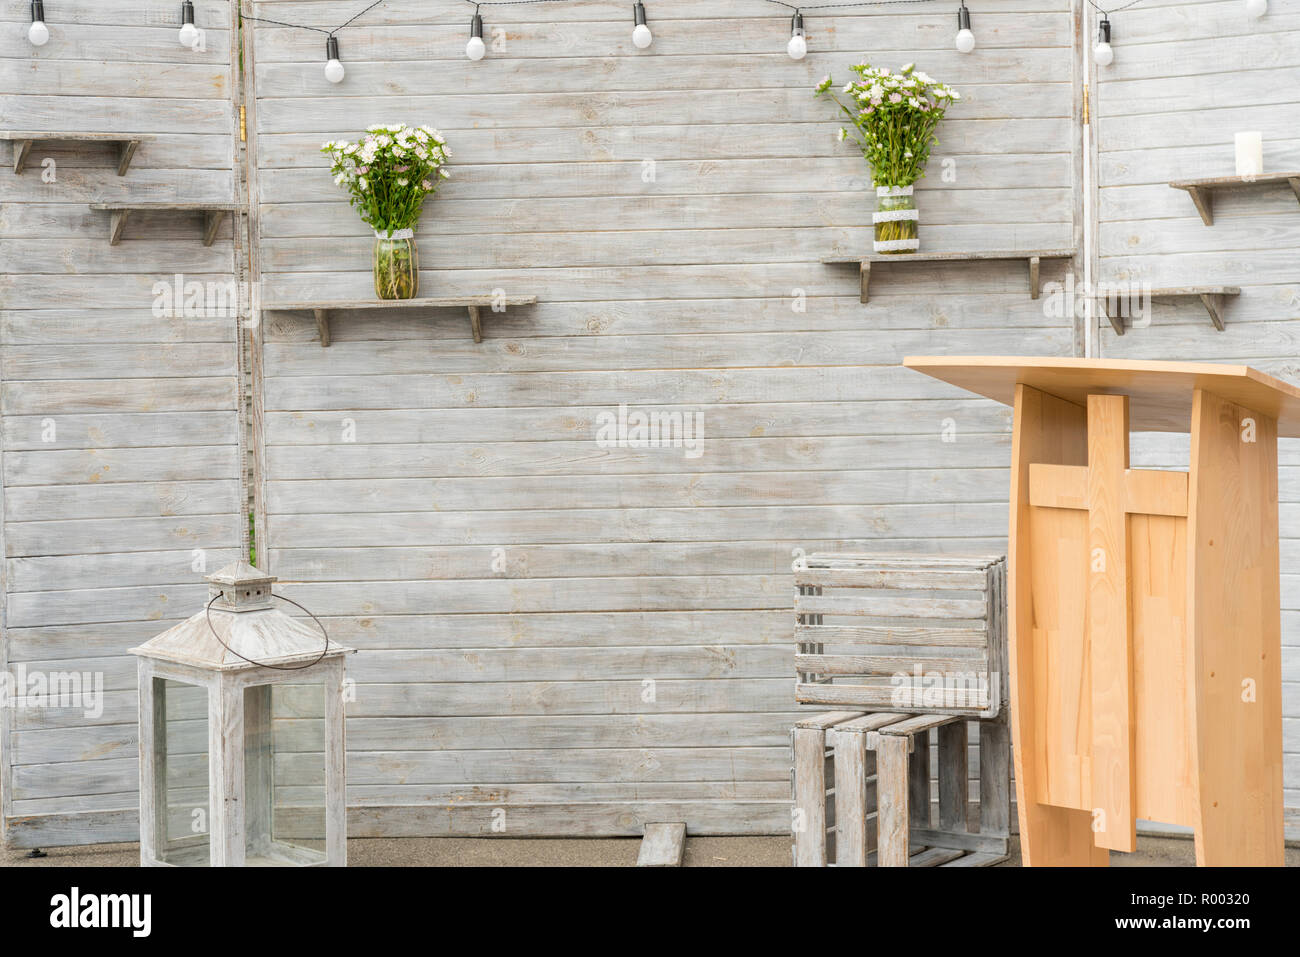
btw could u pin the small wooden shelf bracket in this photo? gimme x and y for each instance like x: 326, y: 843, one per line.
x: 1202, y: 190
x: 1213, y: 298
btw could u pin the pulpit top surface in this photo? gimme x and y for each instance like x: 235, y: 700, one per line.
x: 1160, y: 393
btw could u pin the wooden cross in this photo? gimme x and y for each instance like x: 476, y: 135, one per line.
x: 1109, y: 491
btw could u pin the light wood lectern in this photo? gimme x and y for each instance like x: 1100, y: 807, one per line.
x: 1145, y: 630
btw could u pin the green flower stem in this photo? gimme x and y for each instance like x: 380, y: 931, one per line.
x: 894, y: 138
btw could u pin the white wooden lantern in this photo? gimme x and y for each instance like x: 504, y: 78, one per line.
x: 241, y: 735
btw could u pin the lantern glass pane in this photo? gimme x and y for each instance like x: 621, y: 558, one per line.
x: 182, y: 762
x: 284, y: 774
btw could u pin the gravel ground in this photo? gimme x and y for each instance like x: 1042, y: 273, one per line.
x: 572, y: 852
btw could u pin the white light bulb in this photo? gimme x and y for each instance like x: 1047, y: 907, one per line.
x: 965, y: 41
x: 797, y: 47
x: 641, y: 36
x: 189, y: 35
x: 475, y: 48
x: 1257, y: 8
x: 1103, y: 54
x: 38, y: 33
x: 334, y: 71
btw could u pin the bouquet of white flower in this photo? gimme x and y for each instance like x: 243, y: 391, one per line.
x: 390, y: 172
x: 388, y: 175
x: 895, y: 115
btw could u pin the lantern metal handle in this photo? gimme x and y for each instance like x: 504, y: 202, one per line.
x: 262, y: 664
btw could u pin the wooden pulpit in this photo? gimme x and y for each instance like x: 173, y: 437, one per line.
x: 1144, y: 605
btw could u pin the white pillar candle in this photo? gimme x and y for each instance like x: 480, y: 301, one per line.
x: 1250, y: 154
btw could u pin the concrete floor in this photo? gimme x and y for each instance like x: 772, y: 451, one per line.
x: 573, y: 852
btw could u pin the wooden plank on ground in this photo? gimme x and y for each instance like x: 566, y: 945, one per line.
x: 662, y: 846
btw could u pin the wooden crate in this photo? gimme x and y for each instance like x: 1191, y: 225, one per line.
x: 862, y: 791
x: 909, y: 633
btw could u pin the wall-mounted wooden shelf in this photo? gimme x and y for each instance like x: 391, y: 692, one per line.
x: 1202, y: 190
x: 323, y: 307
x: 1212, y: 297
x: 1031, y: 257
x: 213, y: 214
x: 23, y: 140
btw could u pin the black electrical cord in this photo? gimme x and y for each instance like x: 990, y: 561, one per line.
x: 797, y: 7
x: 1105, y: 13
x: 303, y: 26
x: 517, y: 3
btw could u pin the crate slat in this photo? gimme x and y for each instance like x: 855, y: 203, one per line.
x: 938, y: 637
x: 871, y: 722
x: 918, y: 723
x: 977, y: 859
x: 960, y: 702
x: 956, y: 579
x: 934, y: 857
x: 886, y: 606
x: 885, y: 560
x: 885, y: 664
x: 821, y: 722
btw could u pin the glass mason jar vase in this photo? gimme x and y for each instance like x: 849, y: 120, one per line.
x: 397, y: 264
x: 895, y: 220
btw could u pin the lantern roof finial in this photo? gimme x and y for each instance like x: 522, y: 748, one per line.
x: 239, y: 573
x: 240, y: 587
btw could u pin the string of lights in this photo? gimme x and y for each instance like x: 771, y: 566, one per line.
x: 642, y: 37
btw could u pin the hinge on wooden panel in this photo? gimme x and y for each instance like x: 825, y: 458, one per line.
x: 243, y: 127
x: 1085, y: 104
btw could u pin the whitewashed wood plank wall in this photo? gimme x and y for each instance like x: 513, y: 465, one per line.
x: 120, y: 435
x: 587, y: 638
x: 593, y: 638
x: 1186, y: 76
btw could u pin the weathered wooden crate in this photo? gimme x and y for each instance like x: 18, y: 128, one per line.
x: 862, y: 791
x: 911, y: 633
